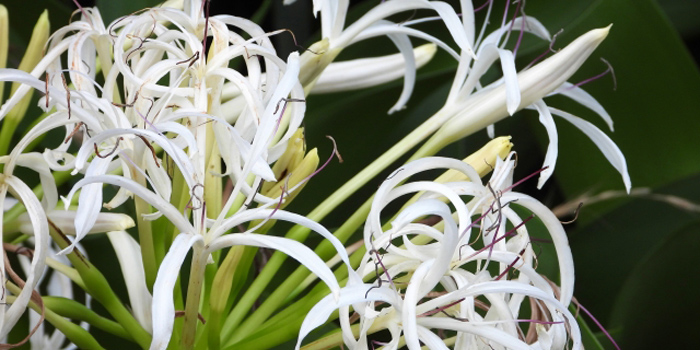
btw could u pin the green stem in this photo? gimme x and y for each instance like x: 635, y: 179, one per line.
x: 74, y: 310
x: 146, y: 240
x: 76, y: 334
x: 194, y: 292
x: 99, y: 288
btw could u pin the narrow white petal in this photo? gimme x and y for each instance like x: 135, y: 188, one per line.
x: 559, y: 239
x: 510, y: 77
x: 294, y: 249
x: 604, y: 143
x: 41, y: 244
x: 319, y: 314
x: 153, y: 199
x: 584, y: 98
x: 129, y: 256
x: 89, y: 202
x: 492, y: 334
x: 411, y: 299
x: 430, y: 339
x: 550, y: 159
x: 163, y: 310
x: 404, y: 45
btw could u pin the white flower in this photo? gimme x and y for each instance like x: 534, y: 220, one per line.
x: 336, y: 36
x: 481, y: 299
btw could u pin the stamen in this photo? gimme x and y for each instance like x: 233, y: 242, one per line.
x: 441, y: 309
x: 609, y: 70
x: 206, y: 27
x: 482, y: 6
x: 607, y: 334
x: 576, y: 212
x: 193, y: 197
x: 65, y: 86
x: 520, y: 9
x: 82, y: 10
x: 153, y: 151
x: 192, y: 59
x: 550, y: 49
x: 116, y: 146
x: 286, y: 100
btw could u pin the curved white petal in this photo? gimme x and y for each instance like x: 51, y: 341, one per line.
x: 129, y: 256
x: 163, y: 308
x: 604, y: 143
x: 41, y: 244
x: 550, y: 159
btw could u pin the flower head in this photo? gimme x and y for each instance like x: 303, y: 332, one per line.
x: 461, y: 265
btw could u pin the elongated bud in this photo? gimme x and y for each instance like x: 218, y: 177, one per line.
x: 313, y: 61
x: 483, y: 160
x: 4, y: 40
x: 291, y: 168
x: 292, y: 156
x: 34, y: 53
x: 31, y: 57
x: 295, y: 175
x: 367, y: 72
x: 489, y: 105
x: 65, y: 221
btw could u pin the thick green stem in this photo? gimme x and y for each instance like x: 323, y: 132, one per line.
x: 74, y: 310
x: 194, y: 292
x: 100, y: 289
x: 76, y: 334
x: 146, y: 241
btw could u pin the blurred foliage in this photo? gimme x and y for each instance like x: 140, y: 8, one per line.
x: 635, y: 255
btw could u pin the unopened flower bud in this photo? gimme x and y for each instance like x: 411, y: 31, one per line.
x: 65, y: 221
x: 489, y: 105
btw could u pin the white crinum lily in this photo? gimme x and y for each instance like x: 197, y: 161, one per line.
x: 173, y: 115
x: 471, y: 107
x: 335, y: 36
x: 122, y: 131
x: 415, y: 255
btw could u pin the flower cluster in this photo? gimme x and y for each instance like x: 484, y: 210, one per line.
x: 185, y: 129
x: 458, y: 257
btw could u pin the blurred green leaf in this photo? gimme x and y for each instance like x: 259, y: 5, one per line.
x: 111, y: 10
x: 658, y: 301
x: 615, y: 251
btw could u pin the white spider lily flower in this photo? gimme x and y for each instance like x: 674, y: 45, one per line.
x: 414, y: 256
x: 467, y: 112
x: 335, y: 36
x: 163, y: 312
x: 120, y: 133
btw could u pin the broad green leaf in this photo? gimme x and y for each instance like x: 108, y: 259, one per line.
x: 613, y: 254
x: 658, y: 301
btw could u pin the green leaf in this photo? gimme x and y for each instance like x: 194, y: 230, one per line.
x: 111, y: 10
x: 613, y: 256
x: 658, y: 301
